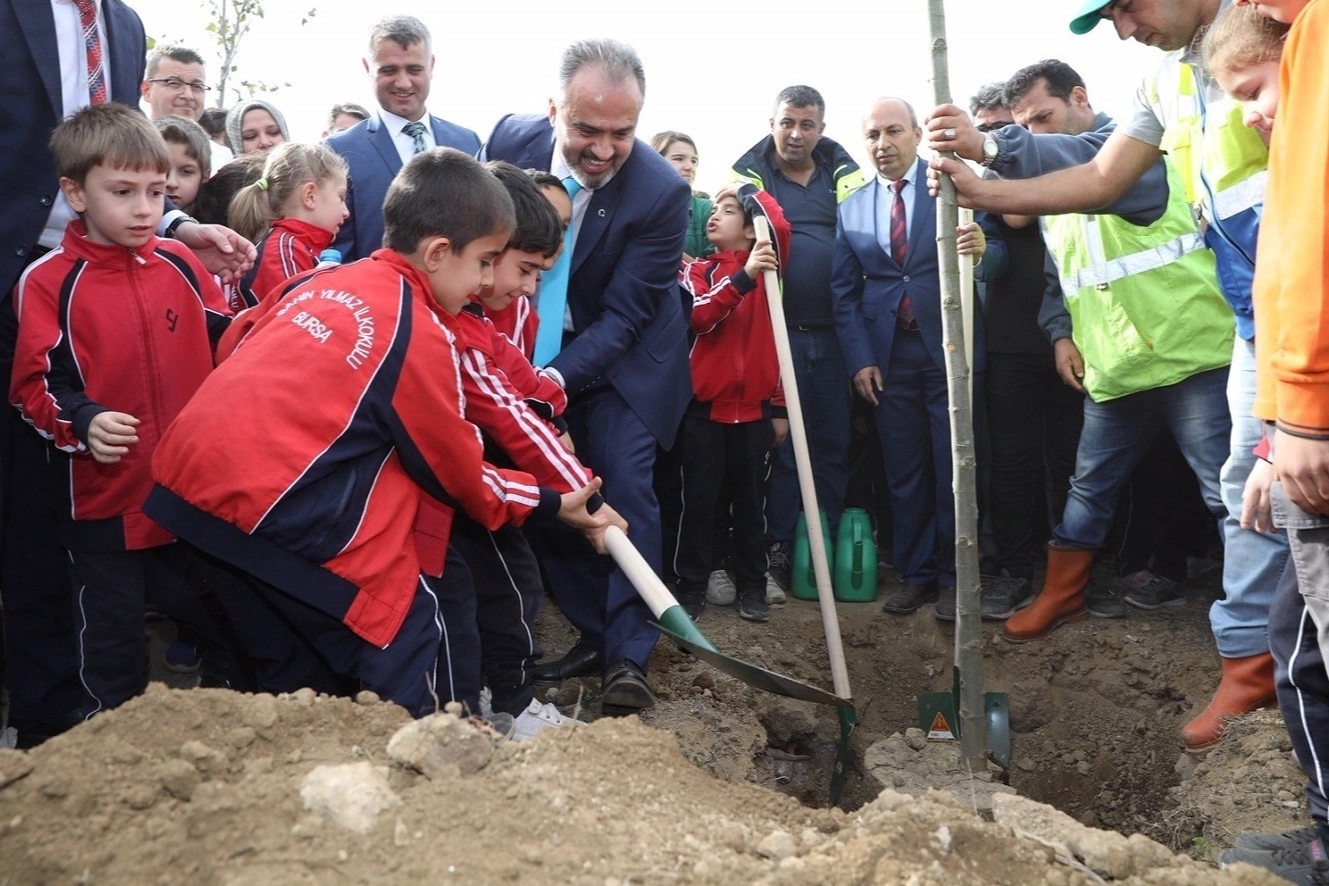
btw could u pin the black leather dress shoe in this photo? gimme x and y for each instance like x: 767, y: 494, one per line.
x: 625, y: 689
x: 581, y: 661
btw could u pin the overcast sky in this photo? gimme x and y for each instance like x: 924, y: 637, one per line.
x: 712, y: 68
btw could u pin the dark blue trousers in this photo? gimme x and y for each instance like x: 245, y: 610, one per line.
x: 594, y: 594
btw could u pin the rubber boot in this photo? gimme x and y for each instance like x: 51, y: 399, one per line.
x: 1247, y: 684
x: 1061, y: 601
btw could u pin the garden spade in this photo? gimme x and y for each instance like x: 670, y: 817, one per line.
x: 816, y: 540
x: 672, y: 619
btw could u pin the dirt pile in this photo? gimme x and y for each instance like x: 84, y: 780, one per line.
x: 208, y: 786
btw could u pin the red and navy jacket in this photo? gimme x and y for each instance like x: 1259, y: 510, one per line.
x: 290, y: 247
x: 304, y: 457
x: 511, y: 403
x: 518, y: 323
x: 735, y: 371
x: 105, y: 328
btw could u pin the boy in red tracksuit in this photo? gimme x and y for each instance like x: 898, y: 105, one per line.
x: 736, y: 415
x: 115, y: 332
x: 353, y: 378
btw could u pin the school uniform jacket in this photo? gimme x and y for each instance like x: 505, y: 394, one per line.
x: 735, y: 371
x: 518, y: 324
x: 105, y: 328
x: 304, y: 456
x: 290, y: 247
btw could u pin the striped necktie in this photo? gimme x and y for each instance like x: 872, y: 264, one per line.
x: 899, y: 247
x: 416, y: 130
x: 92, y: 42
x: 554, y: 293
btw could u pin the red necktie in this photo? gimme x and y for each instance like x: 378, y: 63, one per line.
x: 92, y: 41
x: 899, y: 245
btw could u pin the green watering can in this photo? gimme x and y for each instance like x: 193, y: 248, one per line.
x: 803, y: 578
x: 855, y: 558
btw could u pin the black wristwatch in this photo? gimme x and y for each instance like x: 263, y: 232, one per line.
x: 177, y: 222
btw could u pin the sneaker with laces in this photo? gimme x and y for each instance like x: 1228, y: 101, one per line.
x: 1299, y: 838
x: 720, y: 589
x: 1145, y: 590
x: 781, y: 567
x: 538, y: 717
x: 775, y: 595
x: 1003, y: 596
x: 692, y: 597
x: 1103, y: 601
x: 1306, y: 864
x: 752, y: 604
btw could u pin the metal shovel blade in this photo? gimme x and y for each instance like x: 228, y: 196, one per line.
x: 756, y: 677
x: 939, y: 718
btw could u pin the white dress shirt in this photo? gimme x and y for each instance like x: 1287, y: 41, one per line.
x: 405, y: 143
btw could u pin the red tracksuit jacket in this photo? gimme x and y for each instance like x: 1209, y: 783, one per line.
x: 304, y: 456
x: 735, y: 371
x: 290, y: 247
x: 105, y: 328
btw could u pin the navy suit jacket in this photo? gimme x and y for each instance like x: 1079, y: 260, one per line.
x: 33, y: 105
x: 623, y: 289
x: 867, y: 285
x: 372, y: 156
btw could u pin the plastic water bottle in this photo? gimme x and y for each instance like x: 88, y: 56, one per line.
x: 328, y: 258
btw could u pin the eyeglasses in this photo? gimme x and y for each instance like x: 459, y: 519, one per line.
x: 996, y: 124
x: 175, y: 84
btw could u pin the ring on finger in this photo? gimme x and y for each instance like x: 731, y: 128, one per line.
x: 950, y: 134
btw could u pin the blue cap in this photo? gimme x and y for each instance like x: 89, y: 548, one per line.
x: 1090, y: 14
x: 330, y: 256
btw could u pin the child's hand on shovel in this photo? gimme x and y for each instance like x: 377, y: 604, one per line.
x: 586, y: 510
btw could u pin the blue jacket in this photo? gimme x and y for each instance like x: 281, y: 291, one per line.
x: 627, y: 317
x: 372, y: 157
x: 868, y: 285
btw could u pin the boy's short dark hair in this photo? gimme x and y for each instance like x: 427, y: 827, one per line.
x: 183, y: 131
x: 444, y: 192
x: 544, y: 179
x: 213, y: 203
x: 109, y: 134
x: 538, y: 228
x: 213, y: 121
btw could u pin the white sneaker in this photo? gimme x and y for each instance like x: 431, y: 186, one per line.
x: 537, y: 717
x: 775, y: 595
x: 720, y: 589
x: 9, y: 738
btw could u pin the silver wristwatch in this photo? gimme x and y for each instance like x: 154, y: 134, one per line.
x: 990, y: 149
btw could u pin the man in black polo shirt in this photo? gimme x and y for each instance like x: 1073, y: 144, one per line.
x: 808, y: 175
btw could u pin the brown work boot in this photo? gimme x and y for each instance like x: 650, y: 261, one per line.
x: 1247, y: 684
x: 1062, y: 598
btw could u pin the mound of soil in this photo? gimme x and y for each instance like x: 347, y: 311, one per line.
x: 209, y: 786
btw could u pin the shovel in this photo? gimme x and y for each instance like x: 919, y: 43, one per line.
x: 673, y: 620
x: 816, y: 540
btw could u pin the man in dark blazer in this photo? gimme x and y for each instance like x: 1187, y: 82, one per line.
x: 624, y: 360
x: 889, y: 322
x: 34, y: 578
x: 402, y: 66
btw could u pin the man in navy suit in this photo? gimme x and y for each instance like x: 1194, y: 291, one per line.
x: 624, y: 360
x: 402, y: 65
x: 886, y: 286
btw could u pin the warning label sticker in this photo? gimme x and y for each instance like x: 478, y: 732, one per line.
x: 940, y: 730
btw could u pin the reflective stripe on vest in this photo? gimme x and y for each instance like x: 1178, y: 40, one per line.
x: 1222, y: 160
x: 1145, y: 306
x: 1105, y: 271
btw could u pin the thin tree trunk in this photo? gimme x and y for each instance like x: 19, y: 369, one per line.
x: 968, y: 627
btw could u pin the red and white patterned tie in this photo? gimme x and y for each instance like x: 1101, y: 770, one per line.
x: 92, y: 41
x: 899, y: 247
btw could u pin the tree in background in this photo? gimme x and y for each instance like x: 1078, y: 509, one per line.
x: 228, y: 24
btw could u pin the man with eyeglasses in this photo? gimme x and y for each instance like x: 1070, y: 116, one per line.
x: 1180, y: 111
x: 176, y: 85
